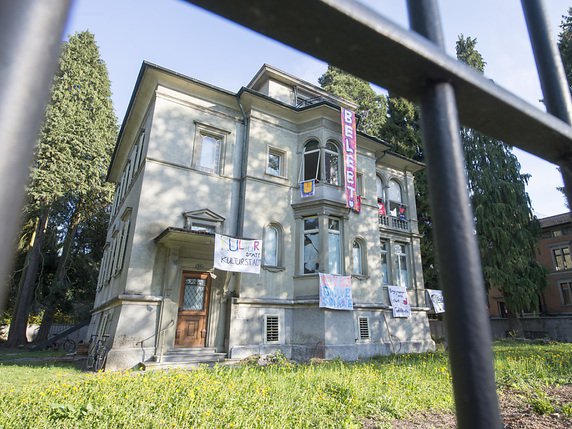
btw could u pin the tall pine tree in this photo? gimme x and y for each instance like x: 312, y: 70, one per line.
x: 67, y: 186
x: 372, y: 107
x: 505, y: 225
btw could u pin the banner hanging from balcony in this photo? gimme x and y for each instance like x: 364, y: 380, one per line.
x: 399, y: 301
x: 237, y: 254
x: 437, y: 300
x: 336, y: 292
x: 307, y: 188
x: 349, y: 142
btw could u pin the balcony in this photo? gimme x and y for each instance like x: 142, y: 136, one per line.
x: 393, y: 222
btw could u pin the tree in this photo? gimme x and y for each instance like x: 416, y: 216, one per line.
x: 506, y: 228
x: 67, y: 182
x: 372, y: 107
x: 565, y: 45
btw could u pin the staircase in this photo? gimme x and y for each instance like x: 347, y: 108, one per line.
x: 186, y: 358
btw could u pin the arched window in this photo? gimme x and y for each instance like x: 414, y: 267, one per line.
x: 271, y: 246
x: 358, y: 257
x: 332, y: 164
x: 395, y: 197
x: 312, y: 160
x: 394, y: 191
x: 380, y: 192
x: 321, y: 163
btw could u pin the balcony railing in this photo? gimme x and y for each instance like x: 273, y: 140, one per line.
x: 393, y: 222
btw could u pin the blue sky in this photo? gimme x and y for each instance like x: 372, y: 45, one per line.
x: 186, y: 39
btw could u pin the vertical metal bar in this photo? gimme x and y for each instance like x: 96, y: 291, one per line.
x: 553, y: 82
x: 457, y: 251
x: 30, y: 39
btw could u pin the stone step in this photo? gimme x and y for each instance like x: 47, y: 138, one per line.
x: 193, y: 357
x: 191, y: 351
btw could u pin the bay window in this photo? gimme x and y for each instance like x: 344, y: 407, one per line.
x: 322, y: 245
x: 321, y: 163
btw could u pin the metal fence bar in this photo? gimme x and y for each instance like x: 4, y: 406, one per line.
x: 460, y: 272
x: 551, y: 73
x: 362, y: 42
x: 30, y: 39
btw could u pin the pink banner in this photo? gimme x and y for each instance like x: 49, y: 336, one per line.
x: 350, y: 156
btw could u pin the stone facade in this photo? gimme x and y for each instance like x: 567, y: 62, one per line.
x: 193, y: 160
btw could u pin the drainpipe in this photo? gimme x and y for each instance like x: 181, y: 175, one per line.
x: 243, y: 168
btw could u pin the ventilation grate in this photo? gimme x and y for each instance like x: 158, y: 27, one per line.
x: 272, y: 329
x: 363, y: 323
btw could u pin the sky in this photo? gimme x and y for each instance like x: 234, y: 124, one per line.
x: 186, y: 39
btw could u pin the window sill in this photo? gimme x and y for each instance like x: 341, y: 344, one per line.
x: 360, y: 276
x: 277, y: 176
x: 273, y: 269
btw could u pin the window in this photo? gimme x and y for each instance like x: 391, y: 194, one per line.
x: 202, y: 228
x: 271, y: 246
x: 358, y: 257
x: 566, y: 292
x: 271, y: 328
x: 276, y: 159
x: 321, y: 163
x: 315, y: 258
x: 123, y: 239
x: 311, y: 161
x: 562, y: 259
x: 311, y: 245
x: 208, y: 150
x: 384, y: 271
x: 359, y: 184
x: 400, y: 264
x: 380, y: 193
x: 334, y: 247
x: 332, y: 164
x: 395, y: 199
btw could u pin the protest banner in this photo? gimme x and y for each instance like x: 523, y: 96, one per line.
x: 237, y: 254
x: 437, y: 300
x: 336, y: 292
x: 399, y: 301
x: 349, y: 142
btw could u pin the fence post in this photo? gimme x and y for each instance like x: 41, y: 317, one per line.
x: 457, y: 250
x: 553, y: 80
x: 30, y: 39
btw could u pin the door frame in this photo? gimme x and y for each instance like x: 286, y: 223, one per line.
x: 185, y: 274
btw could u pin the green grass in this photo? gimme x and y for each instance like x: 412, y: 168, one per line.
x: 322, y: 395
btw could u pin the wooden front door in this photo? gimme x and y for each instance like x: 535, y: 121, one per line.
x: 193, y: 310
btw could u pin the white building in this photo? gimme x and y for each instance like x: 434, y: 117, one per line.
x: 193, y: 159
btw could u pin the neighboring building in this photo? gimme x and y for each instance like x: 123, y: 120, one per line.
x: 554, y: 254
x: 553, y: 317
x: 193, y: 159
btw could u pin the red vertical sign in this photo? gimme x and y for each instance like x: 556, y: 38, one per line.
x: 350, y: 157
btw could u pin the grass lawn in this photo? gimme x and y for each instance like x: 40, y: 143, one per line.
x: 336, y: 394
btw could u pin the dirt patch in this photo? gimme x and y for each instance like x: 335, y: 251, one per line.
x: 548, y: 409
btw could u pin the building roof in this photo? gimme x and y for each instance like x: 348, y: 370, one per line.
x: 558, y: 219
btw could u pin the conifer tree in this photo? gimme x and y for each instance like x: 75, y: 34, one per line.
x: 372, y: 107
x: 67, y: 185
x: 505, y: 225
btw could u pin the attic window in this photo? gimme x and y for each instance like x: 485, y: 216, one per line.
x: 363, y: 326
x: 272, y: 328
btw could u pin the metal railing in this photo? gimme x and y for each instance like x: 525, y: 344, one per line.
x: 386, y: 221
x: 353, y: 37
